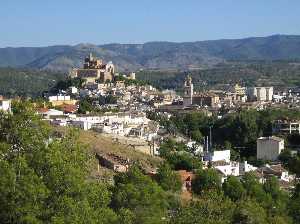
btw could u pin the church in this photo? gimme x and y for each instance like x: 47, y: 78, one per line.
x: 190, y: 97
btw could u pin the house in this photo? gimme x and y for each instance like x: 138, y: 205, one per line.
x: 269, y: 148
x: 260, y: 93
x: 286, y: 126
x: 69, y: 109
x: 223, y: 155
x: 48, y: 113
x: 60, y: 100
x: 286, y: 181
x: 230, y: 168
x: 245, y: 167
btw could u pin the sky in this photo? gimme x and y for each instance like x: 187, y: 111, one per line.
x: 58, y: 22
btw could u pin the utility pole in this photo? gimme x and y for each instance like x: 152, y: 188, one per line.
x: 210, y: 137
x: 206, y: 143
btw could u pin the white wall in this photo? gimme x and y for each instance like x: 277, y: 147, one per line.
x: 221, y: 155
x: 5, y: 105
x: 268, y: 148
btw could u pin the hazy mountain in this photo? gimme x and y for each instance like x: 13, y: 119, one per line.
x: 156, y: 55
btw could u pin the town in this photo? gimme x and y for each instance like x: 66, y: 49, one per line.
x: 118, y: 106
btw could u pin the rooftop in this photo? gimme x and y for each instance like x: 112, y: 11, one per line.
x: 274, y: 138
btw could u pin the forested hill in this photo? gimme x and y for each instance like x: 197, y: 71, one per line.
x: 156, y: 55
x: 27, y: 83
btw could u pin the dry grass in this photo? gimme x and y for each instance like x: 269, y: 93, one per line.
x: 99, y: 143
x: 103, y: 144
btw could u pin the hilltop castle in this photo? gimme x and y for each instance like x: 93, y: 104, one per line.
x: 94, y: 71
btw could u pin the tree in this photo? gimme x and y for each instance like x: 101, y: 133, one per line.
x: 210, y: 208
x: 206, y: 180
x: 233, y: 188
x: 22, y: 193
x: 46, y: 181
x: 183, y: 161
x: 85, y: 106
x: 167, y: 178
x: 197, y: 136
x: 285, y: 157
x: 254, y: 189
x: 249, y: 211
x: 139, y: 194
x: 294, y: 205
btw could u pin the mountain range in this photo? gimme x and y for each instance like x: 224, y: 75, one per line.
x: 155, y: 55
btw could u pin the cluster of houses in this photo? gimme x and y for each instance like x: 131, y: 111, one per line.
x: 126, y: 120
x: 268, y: 149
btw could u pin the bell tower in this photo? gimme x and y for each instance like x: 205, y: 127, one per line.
x: 188, y: 90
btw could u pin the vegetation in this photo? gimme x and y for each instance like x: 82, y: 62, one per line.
x: 86, y: 104
x: 178, y: 156
x: 47, y: 180
x: 27, y: 83
x: 238, y: 131
x: 129, y: 82
x: 167, y: 178
x: 249, y: 73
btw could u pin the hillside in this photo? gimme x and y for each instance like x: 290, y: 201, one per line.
x: 279, y: 74
x: 27, y: 83
x: 156, y: 55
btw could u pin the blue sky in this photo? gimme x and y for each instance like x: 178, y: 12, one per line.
x: 51, y: 22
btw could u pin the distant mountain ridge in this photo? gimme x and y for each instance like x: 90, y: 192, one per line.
x: 155, y: 55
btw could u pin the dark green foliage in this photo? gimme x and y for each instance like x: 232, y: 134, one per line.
x: 178, y: 156
x: 254, y: 189
x: 238, y: 131
x: 27, y: 83
x: 206, y: 181
x: 45, y: 181
x: 66, y: 83
x: 141, y: 195
x: 250, y: 212
x: 85, y: 106
x: 291, y: 162
x: 294, y: 205
x: 167, y: 178
x: 250, y: 73
x: 129, y: 82
x: 233, y: 188
x: 211, y: 209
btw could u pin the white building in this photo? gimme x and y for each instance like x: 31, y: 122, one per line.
x: 48, y: 113
x: 59, y: 98
x: 217, y: 156
x: 227, y: 168
x: 246, y: 167
x: 73, y: 89
x: 5, y: 105
x: 269, y: 148
x: 260, y: 93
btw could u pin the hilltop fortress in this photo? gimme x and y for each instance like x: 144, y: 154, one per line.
x: 94, y: 71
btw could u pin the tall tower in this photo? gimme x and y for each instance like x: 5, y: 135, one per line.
x: 188, y: 90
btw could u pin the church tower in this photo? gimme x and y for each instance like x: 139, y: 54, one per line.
x: 188, y: 90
